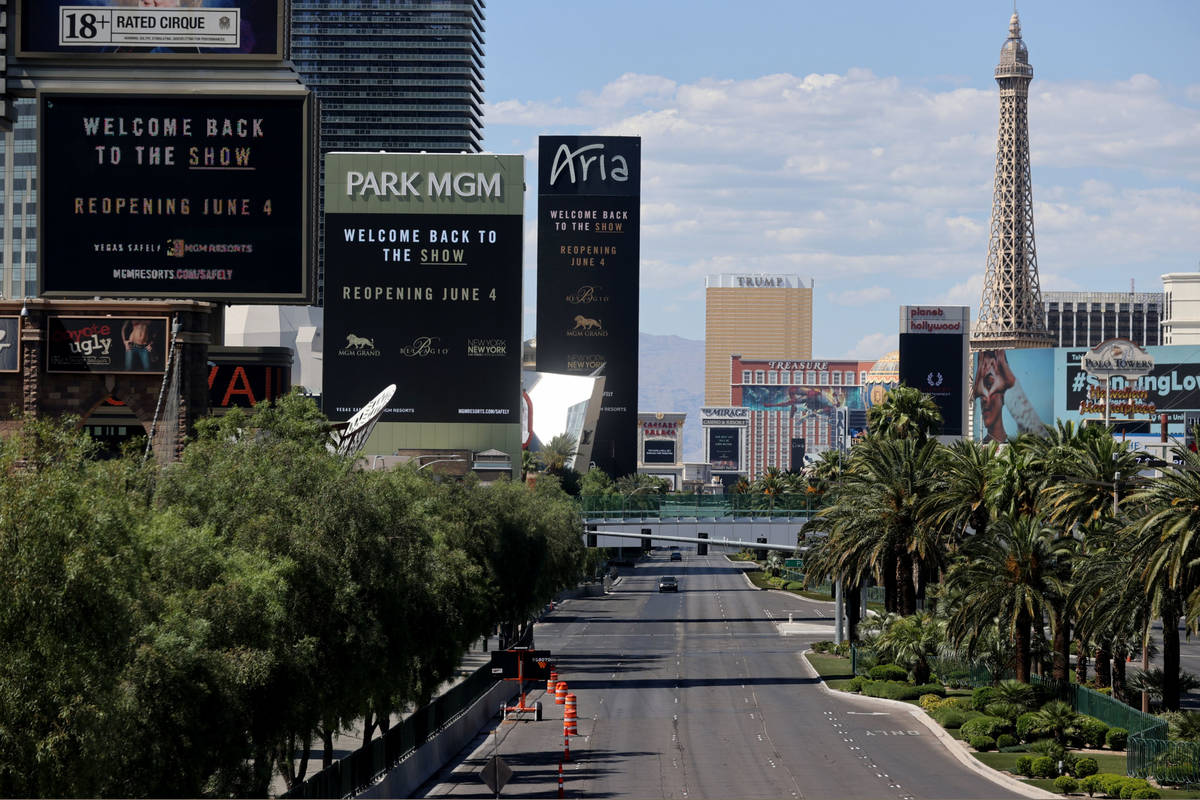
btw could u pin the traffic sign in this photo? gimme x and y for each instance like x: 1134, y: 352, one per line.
x: 496, y: 773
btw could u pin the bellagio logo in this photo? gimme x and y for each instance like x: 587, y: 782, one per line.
x: 359, y: 346
x: 424, y: 347
x: 585, y: 295
x: 586, y: 326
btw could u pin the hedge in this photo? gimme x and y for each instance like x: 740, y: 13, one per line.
x: 1085, y: 766
x: 894, y: 690
x: 1092, y: 732
x: 887, y: 672
x: 1029, y: 727
x: 1044, y: 767
x: 953, y: 717
x: 1065, y: 784
x: 982, y: 696
x: 1116, y: 738
x: 986, y: 726
x: 982, y: 743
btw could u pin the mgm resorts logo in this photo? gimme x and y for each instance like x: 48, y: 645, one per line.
x: 424, y: 347
x: 487, y: 348
x: 359, y: 346
x: 586, y: 326
x: 587, y: 294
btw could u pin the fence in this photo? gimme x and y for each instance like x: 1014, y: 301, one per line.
x: 676, y: 506
x: 357, y: 771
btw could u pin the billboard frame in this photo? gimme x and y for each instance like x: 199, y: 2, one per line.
x: 308, y: 212
x: 20, y: 51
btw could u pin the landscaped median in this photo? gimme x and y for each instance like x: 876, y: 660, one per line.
x: 1015, y: 728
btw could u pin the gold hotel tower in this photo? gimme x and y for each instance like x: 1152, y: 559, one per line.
x: 757, y: 315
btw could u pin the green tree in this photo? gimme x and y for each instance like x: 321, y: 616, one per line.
x: 913, y: 642
x: 1010, y: 575
x: 905, y: 413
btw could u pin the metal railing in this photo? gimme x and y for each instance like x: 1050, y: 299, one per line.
x: 359, y: 770
x: 668, y: 506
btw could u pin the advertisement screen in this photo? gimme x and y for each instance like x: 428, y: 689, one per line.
x: 933, y: 363
x: 799, y: 450
x: 193, y: 196
x: 106, y: 344
x: 658, y: 451
x: 725, y: 449
x: 802, y: 401
x: 424, y: 290
x: 128, y: 29
x: 1013, y: 393
x: 10, y: 344
x: 589, y: 209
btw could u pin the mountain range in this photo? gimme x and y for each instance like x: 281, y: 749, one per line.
x: 671, y: 378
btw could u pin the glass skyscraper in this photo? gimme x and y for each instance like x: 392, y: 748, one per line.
x: 395, y: 75
x: 18, y: 230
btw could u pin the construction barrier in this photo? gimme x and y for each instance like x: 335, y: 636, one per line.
x: 570, y: 718
x: 560, y: 693
x: 552, y: 681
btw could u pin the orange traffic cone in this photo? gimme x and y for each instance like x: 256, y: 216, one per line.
x: 560, y: 693
x: 570, y: 718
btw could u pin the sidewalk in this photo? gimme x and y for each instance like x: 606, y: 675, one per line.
x: 347, y: 741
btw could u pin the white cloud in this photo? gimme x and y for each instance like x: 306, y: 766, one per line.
x: 872, y: 185
x: 872, y: 347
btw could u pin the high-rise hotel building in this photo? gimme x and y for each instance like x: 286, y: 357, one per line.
x: 395, y: 75
x: 761, y: 316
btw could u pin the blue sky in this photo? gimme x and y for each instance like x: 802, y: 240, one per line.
x: 854, y: 143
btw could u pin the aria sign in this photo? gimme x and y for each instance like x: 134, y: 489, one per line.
x: 359, y: 428
x: 1117, y: 358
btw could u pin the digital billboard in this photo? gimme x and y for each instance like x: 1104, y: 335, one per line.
x: 106, y: 344
x: 1014, y: 393
x: 802, y: 401
x: 133, y: 29
x: 933, y: 363
x: 164, y: 196
x: 10, y: 344
x: 589, y: 211
x: 658, y: 451
x: 423, y: 285
x: 725, y: 449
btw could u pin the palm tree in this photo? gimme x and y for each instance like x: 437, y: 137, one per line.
x: 958, y: 502
x: 558, y: 451
x: 913, y: 641
x: 1059, y: 718
x: 1165, y: 537
x: 905, y: 413
x: 1011, y: 576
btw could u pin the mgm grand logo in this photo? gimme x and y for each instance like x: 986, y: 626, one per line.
x: 584, y: 362
x: 586, y: 326
x: 359, y: 346
x: 487, y: 348
x: 424, y: 347
x: 587, y: 294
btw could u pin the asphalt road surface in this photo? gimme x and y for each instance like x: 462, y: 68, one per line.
x: 698, y: 694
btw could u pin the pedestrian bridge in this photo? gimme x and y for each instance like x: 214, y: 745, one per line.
x: 737, y: 518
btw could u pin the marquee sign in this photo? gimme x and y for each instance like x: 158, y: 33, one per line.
x: 1117, y: 358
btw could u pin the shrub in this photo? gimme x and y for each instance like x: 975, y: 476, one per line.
x: 1091, y: 784
x: 960, y: 702
x: 1065, y: 784
x: 822, y: 647
x: 1048, y: 747
x: 1116, y: 738
x: 982, y: 696
x: 1091, y: 731
x: 794, y: 586
x: 953, y: 717
x: 855, y: 684
x: 1044, y: 767
x: 1011, y: 691
x: 895, y: 690
x: 1149, y: 792
x: 982, y: 743
x: 888, y: 672
x: 1006, y: 740
x: 1132, y: 785
x: 1085, y: 767
x: 986, y: 726
x: 1111, y: 783
x: 1030, y: 727
x: 1024, y: 766
x: 1006, y: 709
x: 929, y: 702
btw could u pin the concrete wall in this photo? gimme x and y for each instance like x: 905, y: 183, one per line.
x: 423, y: 763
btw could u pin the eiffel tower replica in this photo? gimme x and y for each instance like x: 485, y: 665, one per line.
x: 1010, y: 311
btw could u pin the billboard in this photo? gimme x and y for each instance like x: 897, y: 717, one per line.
x: 802, y: 401
x: 129, y: 29
x: 589, y: 210
x: 799, y: 450
x: 10, y: 344
x: 423, y: 285
x: 658, y: 451
x: 934, y: 363
x: 725, y: 449
x: 106, y: 344
x: 201, y: 196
